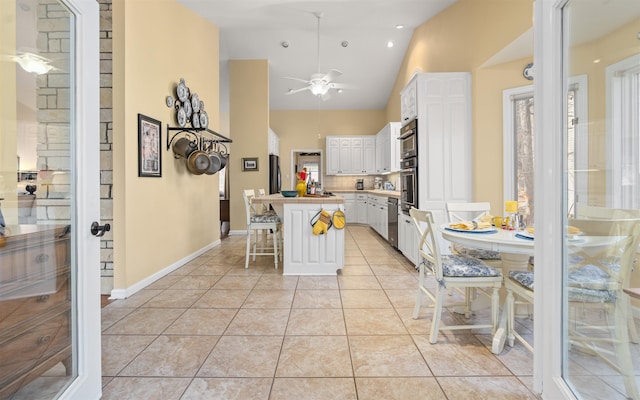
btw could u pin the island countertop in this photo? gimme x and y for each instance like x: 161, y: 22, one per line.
x: 278, y: 198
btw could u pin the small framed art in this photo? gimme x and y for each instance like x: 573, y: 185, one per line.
x: 149, y: 154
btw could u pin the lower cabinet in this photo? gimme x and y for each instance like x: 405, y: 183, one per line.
x: 377, y: 214
x: 361, y: 208
x: 350, y: 209
x: 408, y: 238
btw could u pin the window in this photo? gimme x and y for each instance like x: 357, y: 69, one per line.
x: 519, y: 152
x: 623, y: 168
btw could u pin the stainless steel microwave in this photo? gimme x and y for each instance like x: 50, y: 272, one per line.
x: 409, y: 140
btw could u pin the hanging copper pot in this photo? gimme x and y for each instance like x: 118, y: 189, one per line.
x: 183, y: 147
x: 198, y: 162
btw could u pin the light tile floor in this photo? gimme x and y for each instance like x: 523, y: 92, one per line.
x: 215, y: 330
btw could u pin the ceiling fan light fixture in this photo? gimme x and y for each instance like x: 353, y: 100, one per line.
x: 319, y: 89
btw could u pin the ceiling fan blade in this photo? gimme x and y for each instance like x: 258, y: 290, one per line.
x: 333, y: 74
x: 297, y: 79
x: 292, y: 91
x: 341, y: 86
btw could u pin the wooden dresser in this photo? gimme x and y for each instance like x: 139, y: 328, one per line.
x: 35, y: 303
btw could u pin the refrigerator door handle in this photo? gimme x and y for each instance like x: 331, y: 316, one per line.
x: 279, y: 179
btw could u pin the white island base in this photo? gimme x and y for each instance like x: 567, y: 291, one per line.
x: 304, y: 252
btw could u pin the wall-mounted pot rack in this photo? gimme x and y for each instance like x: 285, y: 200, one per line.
x: 197, y: 134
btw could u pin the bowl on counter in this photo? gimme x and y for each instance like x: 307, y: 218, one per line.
x: 289, y: 193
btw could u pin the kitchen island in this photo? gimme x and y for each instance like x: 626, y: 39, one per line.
x: 304, y: 252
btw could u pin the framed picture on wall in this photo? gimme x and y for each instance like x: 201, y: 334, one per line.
x: 250, y: 164
x: 149, y: 154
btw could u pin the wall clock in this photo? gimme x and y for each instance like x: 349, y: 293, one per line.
x: 527, y: 72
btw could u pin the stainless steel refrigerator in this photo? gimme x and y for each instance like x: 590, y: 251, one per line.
x: 275, y: 181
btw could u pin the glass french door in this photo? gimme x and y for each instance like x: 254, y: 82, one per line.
x: 49, y: 196
x: 590, y: 346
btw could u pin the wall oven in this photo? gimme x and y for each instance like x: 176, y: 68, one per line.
x: 409, y: 140
x: 408, y: 184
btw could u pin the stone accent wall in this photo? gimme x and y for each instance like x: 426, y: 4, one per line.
x: 53, y: 114
x: 106, y: 144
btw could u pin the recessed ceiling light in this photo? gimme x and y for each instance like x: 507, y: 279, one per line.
x: 390, y: 44
x: 399, y: 26
x: 284, y: 44
x: 344, y: 43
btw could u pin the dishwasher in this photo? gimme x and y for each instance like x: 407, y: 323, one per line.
x: 392, y: 221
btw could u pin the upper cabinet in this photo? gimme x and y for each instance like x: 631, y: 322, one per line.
x: 273, y: 143
x: 409, y: 101
x: 351, y: 155
x: 444, y: 140
x: 388, y: 149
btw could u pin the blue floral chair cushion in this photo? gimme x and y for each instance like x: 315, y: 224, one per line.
x: 460, y: 265
x: 586, y: 295
x: 265, y: 218
x: 525, y: 278
x: 477, y: 253
x: 590, y: 276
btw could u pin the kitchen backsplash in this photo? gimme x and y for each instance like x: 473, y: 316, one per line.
x: 349, y: 182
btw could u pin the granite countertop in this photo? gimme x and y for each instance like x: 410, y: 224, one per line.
x: 378, y: 192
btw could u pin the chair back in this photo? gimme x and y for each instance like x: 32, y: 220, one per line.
x: 265, y: 208
x: 596, y: 212
x: 608, y: 244
x: 428, y: 245
x: 248, y: 195
x: 467, y: 211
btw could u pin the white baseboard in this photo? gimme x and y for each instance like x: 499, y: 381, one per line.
x: 238, y: 233
x: 124, y: 293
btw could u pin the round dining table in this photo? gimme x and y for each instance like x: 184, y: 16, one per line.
x: 515, y: 248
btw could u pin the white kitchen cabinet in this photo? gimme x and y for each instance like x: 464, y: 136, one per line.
x: 351, y: 155
x: 408, y: 238
x: 388, y: 149
x: 409, y: 101
x: 361, y: 208
x: 377, y: 214
x: 369, y: 155
x: 273, y: 142
x: 444, y: 142
x: 349, y: 207
x: 333, y: 156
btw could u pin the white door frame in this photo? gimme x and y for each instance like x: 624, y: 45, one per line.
x: 292, y: 163
x: 550, y: 97
x: 85, y: 117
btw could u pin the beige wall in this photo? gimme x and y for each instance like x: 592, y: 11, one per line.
x: 159, y: 221
x: 249, y: 126
x: 615, y: 47
x: 8, y: 114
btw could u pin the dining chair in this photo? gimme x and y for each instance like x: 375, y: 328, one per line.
x: 450, y: 271
x: 265, y: 207
x: 599, y: 267
x: 257, y: 226
x: 597, y: 212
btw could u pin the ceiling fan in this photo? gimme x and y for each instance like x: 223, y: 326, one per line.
x: 320, y: 83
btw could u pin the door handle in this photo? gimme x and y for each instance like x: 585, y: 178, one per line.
x: 99, y: 230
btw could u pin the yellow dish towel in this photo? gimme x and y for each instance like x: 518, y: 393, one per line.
x: 470, y: 225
